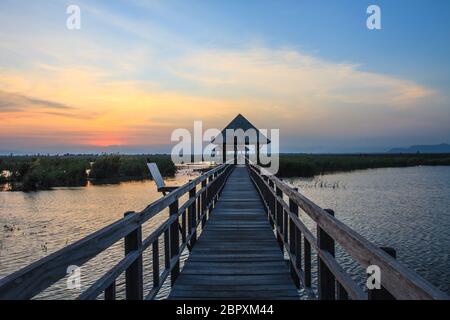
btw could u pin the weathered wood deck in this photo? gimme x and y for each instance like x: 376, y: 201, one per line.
x: 247, y: 220
x: 237, y: 255
x: 250, y: 221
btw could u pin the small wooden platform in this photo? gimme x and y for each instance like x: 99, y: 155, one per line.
x: 236, y: 256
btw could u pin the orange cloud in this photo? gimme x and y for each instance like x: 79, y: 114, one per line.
x: 279, y: 88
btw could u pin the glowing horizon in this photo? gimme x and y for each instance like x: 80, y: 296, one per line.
x: 138, y: 70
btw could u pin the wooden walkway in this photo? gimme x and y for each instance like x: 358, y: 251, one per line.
x: 237, y: 255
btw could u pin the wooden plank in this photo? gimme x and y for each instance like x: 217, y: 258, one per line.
x: 218, y: 281
x: 36, y: 277
x: 235, y: 294
x: 400, y: 281
x: 237, y: 255
x: 225, y: 287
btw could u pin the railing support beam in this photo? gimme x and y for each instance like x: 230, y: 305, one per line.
x: 134, y: 275
x: 294, y: 233
x: 174, y: 242
x: 327, y: 285
x: 110, y: 292
x: 192, y: 218
x: 279, y: 213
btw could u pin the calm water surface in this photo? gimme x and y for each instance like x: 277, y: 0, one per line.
x: 405, y: 208
x: 33, y: 225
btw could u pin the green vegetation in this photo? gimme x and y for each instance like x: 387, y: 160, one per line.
x: 31, y: 173
x: 122, y: 168
x: 302, y: 165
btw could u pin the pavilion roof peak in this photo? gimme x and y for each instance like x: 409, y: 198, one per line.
x: 240, y: 122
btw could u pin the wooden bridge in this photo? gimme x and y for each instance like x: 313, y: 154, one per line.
x: 245, y: 240
x: 237, y: 255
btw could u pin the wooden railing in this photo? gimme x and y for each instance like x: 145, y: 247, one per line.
x: 333, y: 281
x: 35, y: 278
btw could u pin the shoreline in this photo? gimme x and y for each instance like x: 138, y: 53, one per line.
x: 121, y: 180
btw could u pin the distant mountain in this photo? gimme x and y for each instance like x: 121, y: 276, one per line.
x: 437, y: 148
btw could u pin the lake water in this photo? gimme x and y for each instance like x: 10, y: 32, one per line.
x: 33, y: 225
x: 405, y: 208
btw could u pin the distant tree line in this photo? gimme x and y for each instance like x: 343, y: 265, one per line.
x: 122, y: 168
x: 305, y: 165
x: 31, y: 173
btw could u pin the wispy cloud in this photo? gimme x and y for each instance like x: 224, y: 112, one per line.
x: 14, y: 105
x: 128, y: 78
x: 289, y: 75
x: 13, y: 102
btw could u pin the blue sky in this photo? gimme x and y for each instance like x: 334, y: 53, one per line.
x: 138, y: 69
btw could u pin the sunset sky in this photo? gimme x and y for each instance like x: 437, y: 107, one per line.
x: 139, y: 69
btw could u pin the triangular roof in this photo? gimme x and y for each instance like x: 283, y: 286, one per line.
x: 240, y: 122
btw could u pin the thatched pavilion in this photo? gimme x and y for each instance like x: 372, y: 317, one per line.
x: 239, y: 137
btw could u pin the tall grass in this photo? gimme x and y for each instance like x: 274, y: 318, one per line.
x: 31, y: 173
x: 302, y: 165
x: 40, y: 172
x: 127, y: 167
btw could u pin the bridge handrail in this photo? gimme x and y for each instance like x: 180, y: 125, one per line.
x: 38, y: 276
x: 399, y: 281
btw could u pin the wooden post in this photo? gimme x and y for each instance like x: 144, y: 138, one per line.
x: 224, y: 152
x: 167, y: 249
x: 257, y: 149
x: 203, y: 204
x: 341, y: 293
x: 183, y: 227
x: 272, y: 206
x: 155, y: 262
x: 174, y: 242
x: 217, y: 180
x: 293, y: 233
x: 209, y: 194
x: 382, y: 294
x: 327, y: 285
x: 307, y: 262
x: 246, y: 150
x: 235, y: 150
x: 298, y: 248
x: 192, y: 217
x: 133, y: 275
x: 279, y: 218
x: 110, y: 292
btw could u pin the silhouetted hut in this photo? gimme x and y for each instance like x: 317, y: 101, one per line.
x: 242, y: 140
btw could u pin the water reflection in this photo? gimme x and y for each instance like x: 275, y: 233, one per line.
x: 35, y: 224
x: 405, y: 208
